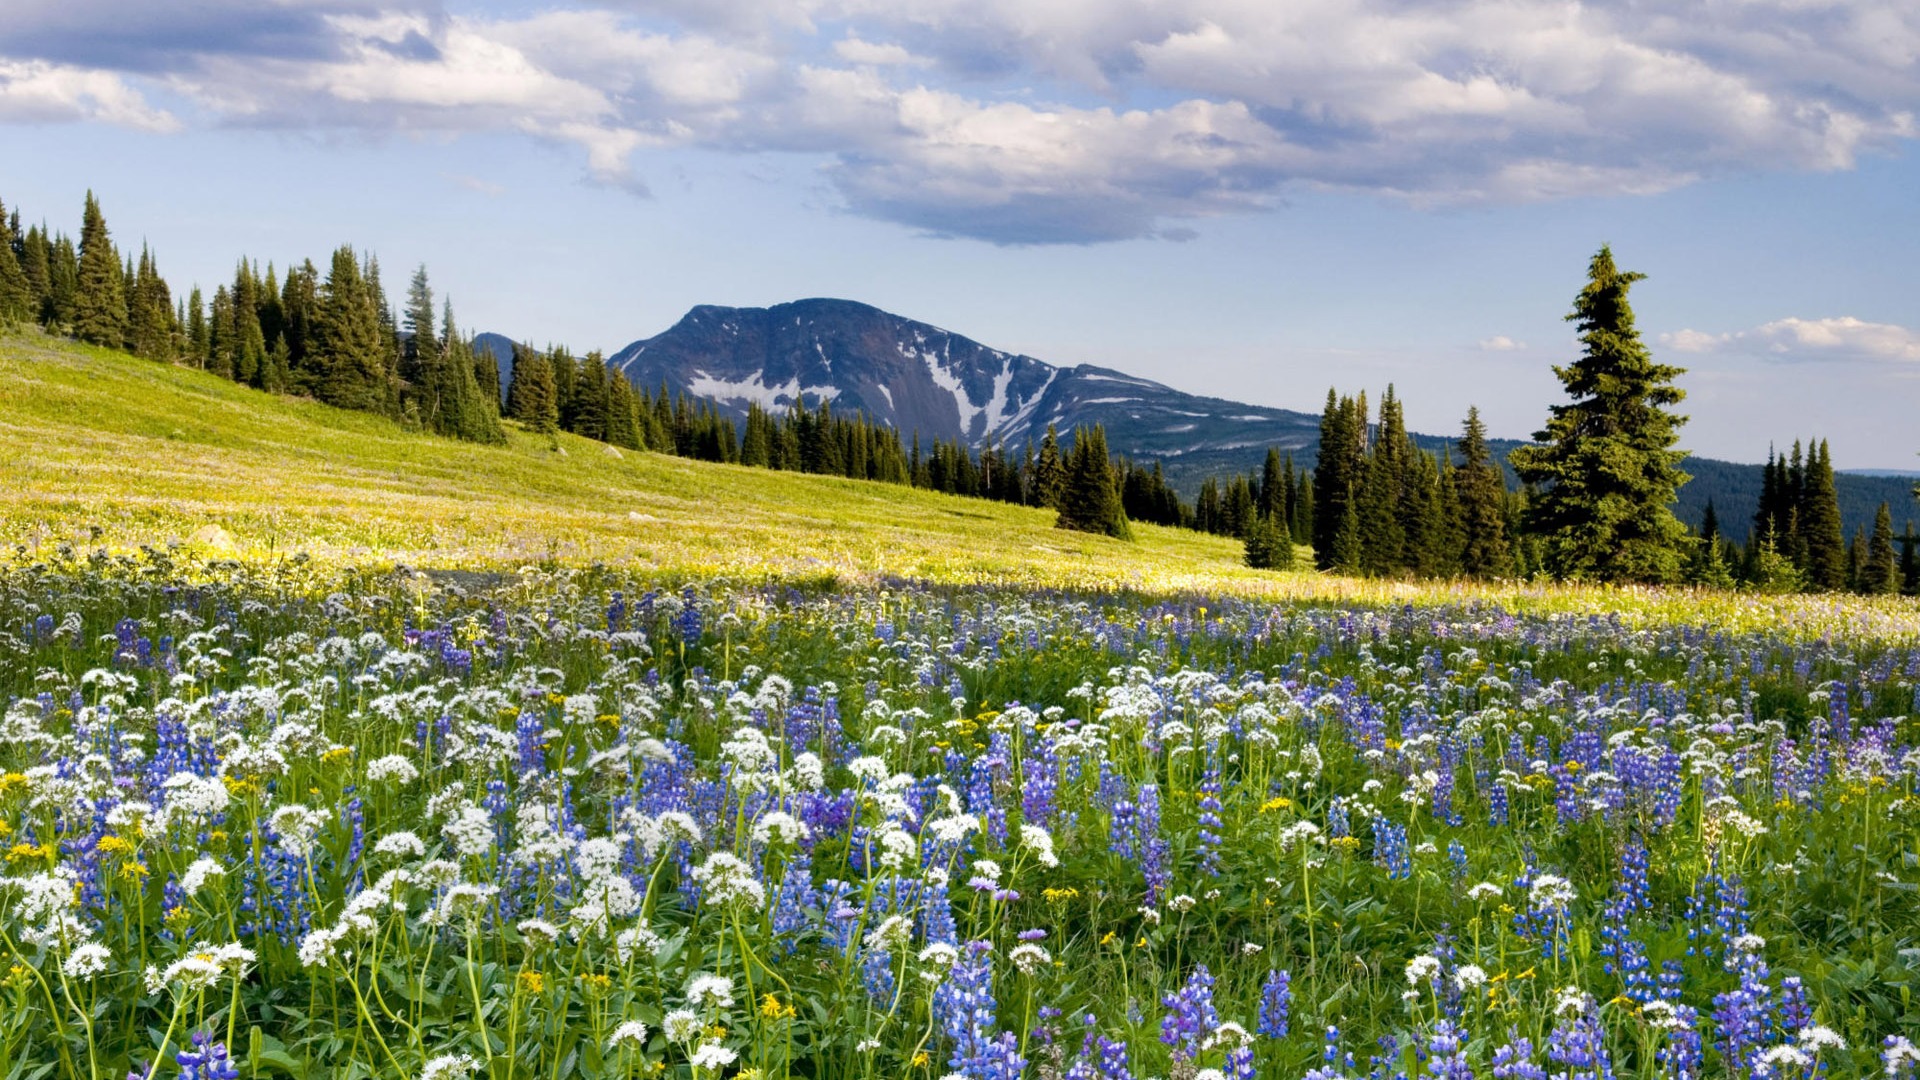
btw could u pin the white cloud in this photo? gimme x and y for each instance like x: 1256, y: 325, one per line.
x: 854, y: 50
x: 1073, y: 120
x: 1843, y: 338
x: 34, y: 91
x: 1501, y: 343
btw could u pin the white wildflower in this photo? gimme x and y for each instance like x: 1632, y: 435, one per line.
x: 706, y: 991
x: 727, y: 880
x: 631, y: 1033
x: 87, y: 961
x: 394, y: 767
x: 400, y: 844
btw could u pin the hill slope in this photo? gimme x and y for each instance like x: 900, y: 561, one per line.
x: 113, y: 450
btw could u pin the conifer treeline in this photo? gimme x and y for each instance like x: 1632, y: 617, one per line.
x: 1384, y: 506
x: 1798, y: 541
x: 334, y: 337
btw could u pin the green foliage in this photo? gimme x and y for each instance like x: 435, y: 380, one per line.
x: 1879, y: 573
x: 1481, y: 497
x: 16, y: 292
x: 1820, y: 534
x: 1605, y: 464
x: 530, y: 395
x: 1089, y: 497
x: 1268, y: 544
x: 349, y: 350
x: 100, y: 299
x: 1772, y: 572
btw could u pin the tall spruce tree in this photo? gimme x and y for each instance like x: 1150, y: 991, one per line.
x: 530, y: 395
x: 149, y: 312
x: 16, y: 292
x: 1268, y: 545
x: 1879, y: 572
x: 478, y: 407
x: 100, y: 300
x: 1481, y: 491
x: 197, y: 330
x: 420, y: 349
x: 1822, y: 535
x: 1910, y: 561
x: 1605, y: 464
x: 1090, y: 498
x: 1049, y: 472
x: 349, y: 344
x: 1337, y: 475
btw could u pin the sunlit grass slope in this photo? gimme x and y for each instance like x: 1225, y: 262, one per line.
x: 102, y: 450
x: 105, y: 449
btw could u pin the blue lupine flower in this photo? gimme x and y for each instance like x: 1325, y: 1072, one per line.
x: 1190, y: 1017
x: 1276, y: 1003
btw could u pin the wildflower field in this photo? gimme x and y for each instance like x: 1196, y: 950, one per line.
x: 267, y: 821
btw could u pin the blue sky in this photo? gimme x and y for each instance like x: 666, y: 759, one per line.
x: 1232, y: 196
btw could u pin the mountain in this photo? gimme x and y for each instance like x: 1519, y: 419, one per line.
x: 500, y: 347
x: 938, y: 384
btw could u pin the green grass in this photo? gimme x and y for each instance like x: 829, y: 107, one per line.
x: 110, y: 452
x: 116, y: 451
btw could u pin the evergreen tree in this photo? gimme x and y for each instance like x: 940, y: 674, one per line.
x: 1481, y: 492
x: 1879, y: 573
x: 1049, y: 472
x: 1605, y: 463
x: 1268, y: 546
x: 63, y: 283
x: 198, y: 332
x: 349, y: 343
x: 421, y: 351
x: 1336, y: 481
x: 590, y: 395
x: 299, y: 307
x: 1384, y: 495
x: 1822, y: 537
x: 1707, y: 568
x: 1771, y: 571
x: 1272, y: 500
x: 99, y: 302
x: 1303, y: 516
x: 478, y: 406
x: 1910, y: 561
x: 622, y: 428
x: 221, y: 333
x: 249, y: 343
x: 36, y: 264
x: 1089, y: 499
x: 150, y: 312
x: 16, y: 293
x: 530, y: 395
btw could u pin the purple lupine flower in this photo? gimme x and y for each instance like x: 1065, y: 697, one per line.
x: 1447, y: 1054
x: 1190, y: 1017
x: 1276, y: 1002
x: 1514, y: 1060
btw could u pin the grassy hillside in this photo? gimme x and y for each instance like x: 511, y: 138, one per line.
x: 112, y: 450
x: 106, y: 451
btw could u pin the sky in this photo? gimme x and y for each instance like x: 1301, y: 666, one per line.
x: 1241, y: 198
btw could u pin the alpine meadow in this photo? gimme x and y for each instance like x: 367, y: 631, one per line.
x: 1426, y: 588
